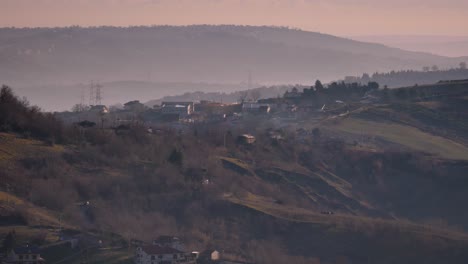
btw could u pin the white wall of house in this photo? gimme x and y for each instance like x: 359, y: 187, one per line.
x: 143, y: 258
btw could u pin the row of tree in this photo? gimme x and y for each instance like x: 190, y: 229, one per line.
x: 428, y: 75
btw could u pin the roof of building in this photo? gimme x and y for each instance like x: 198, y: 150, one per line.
x: 158, y: 250
x: 175, y: 106
x: 254, y: 105
x: 27, y: 250
x: 247, y: 136
x: 176, y: 103
x: 166, y: 239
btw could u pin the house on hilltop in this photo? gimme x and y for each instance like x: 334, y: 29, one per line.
x: 99, y: 109
x: 183, y: 109
x: 256, y: 108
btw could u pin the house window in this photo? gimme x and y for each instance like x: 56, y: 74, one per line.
x: 174, y: 256
x: 20, y: 257
x: 160, y: 256
x: 34, y: 257
x: 153, y: 257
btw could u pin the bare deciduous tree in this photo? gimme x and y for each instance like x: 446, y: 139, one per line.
x: 255, y: 95
x: 243, y: 95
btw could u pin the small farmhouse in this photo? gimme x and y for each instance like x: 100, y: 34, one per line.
x: 25, y: 255
x: 99, y: 109
x: 155, y: 254
x: 256, y: 108
x: 246, y: 139
x: 183, y: 109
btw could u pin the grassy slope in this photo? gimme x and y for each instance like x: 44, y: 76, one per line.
x: 37, y: 215
x: 342, y: 222
x: 407, y: 136
x: 13, y: 148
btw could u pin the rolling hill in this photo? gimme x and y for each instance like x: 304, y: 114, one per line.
x: 39, y: 57
x: 193, y: 54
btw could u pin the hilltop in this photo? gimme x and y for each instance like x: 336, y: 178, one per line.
x: 222, y: 54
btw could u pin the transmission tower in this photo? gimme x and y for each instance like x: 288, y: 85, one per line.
x: 91, y: 93
x: 82, y: 99
x: 98, y: 99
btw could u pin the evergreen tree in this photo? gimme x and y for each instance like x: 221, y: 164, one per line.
x: 319, y: 86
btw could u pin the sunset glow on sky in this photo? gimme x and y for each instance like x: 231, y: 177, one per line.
x: 339, y: 17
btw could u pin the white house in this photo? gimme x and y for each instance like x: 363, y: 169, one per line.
x: 25, y: 255
x: 155, y: 254
x: 183, y: 109
x: 254, y: 107
x: 99, y: 109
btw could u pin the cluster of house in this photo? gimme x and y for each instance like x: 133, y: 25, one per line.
x: 164, y: 250
x: 288, y: 108
x: 24, y: 255
x: 171, y: 250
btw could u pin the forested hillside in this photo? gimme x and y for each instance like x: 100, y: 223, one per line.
x: 395, y: 79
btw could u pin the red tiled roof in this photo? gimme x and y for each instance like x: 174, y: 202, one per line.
x: 157, y: 250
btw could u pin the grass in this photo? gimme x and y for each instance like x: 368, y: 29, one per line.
x: 111, y: 256
x: 97, y: 256
x: 36, y: 215
x: 13, y: 148
x: 25, y: 234
x: 237, y: 165
x: 342, y: 222
x: 406, y: 136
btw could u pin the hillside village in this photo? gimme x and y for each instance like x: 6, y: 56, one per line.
x: 314, y: 101
x: 315, y: 104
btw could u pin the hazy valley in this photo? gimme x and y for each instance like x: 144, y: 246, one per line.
x: 153, y: 62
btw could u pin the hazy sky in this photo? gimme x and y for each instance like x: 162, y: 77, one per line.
x: 339, y: 17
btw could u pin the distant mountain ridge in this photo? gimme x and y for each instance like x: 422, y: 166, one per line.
x: 202, y: 53
x: 452, y: 46
x: 40, y: 62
